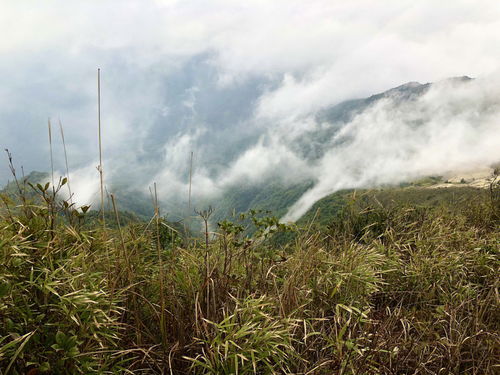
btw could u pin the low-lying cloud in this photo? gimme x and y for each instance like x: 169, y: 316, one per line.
x: 454, y: 126
x: 240, y: 84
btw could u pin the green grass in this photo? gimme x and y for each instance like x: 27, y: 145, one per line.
x: 393, y: 281
x: 327, y: 209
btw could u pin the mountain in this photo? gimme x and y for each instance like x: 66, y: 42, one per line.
x: 271, y: 193
x: 11, y: 189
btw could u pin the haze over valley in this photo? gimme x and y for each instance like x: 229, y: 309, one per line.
x: 304, y: 112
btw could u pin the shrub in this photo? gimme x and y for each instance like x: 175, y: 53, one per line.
x: 251, y: 339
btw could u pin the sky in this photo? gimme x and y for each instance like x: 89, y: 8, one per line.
x: 236, y: 81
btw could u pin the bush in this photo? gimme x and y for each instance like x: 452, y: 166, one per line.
x: 252, y: 339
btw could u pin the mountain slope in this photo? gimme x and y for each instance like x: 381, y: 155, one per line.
x: 273, y: 192
x: 322, y: 139
x: 427, y: 192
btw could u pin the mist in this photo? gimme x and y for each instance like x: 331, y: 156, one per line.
x: 455, y: 126
x: 243, y: 87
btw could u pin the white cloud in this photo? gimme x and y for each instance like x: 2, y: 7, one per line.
x: 308, y: 54
x: 452, y: 127
x: 84, y: 183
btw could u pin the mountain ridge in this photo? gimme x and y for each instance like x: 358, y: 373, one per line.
x: 271, y: 193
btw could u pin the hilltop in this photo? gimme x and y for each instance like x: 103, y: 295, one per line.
x: 392, y: 280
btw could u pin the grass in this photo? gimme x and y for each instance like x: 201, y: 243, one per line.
x: 384, y: 286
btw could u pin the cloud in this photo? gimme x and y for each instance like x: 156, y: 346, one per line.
x: 84, y: 183
x: 268, y: 158
x: 237, y: 82
x: 454, y: 126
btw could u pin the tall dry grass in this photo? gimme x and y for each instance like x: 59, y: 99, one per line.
x: 400, y: 290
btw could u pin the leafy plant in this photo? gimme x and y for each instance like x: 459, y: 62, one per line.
x: 249, y: 340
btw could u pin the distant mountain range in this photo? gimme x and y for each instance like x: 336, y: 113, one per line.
x: 271, y: 193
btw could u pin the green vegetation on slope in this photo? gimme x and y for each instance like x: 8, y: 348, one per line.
x: 380, y: 289
x: 275, y: 197
x: 324, y: 211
